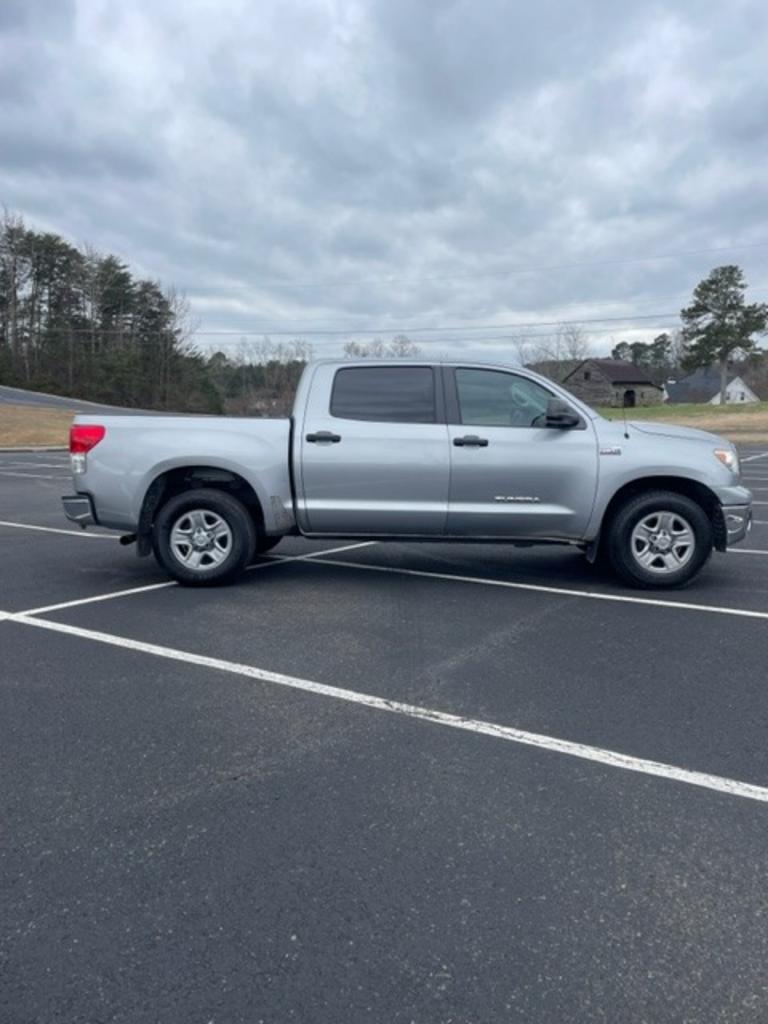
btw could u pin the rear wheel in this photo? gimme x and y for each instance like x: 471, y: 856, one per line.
x: 659, y: 539
x: 203, y: 537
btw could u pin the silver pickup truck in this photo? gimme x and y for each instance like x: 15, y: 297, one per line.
x: 407, y: 450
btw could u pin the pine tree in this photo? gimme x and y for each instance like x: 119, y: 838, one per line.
x: 719, y: 323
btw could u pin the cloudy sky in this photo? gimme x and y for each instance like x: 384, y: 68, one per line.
x: 395, y: 165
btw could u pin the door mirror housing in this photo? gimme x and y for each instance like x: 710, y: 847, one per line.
x: 561, y: 416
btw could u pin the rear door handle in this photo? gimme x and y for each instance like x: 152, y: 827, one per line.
x: 324, y: 435
x: 471, y: 441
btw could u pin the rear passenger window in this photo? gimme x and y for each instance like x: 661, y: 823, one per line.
x: 387, y: 394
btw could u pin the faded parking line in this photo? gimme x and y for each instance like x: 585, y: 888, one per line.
x: 63, y: 466
x: 608, y: 758
x: 56, y: 529
x: 35, y: 476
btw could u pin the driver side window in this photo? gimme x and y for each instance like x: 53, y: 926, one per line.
x: 492, y: 398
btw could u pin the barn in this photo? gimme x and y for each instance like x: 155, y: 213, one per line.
x: 612, y: 382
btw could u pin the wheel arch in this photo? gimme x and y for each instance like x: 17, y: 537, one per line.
x: 178, y: 479
x: 692, y: 489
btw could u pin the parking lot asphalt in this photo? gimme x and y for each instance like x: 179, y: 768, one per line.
x: 429, y: 783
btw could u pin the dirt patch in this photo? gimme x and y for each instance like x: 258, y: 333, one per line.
x: 27, y: 425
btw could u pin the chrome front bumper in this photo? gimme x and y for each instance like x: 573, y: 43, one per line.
x: 78, y: 508
x: 738, y: 522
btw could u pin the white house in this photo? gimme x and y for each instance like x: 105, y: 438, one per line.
x: 704, y: 386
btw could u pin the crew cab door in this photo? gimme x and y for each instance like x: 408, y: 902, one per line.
x: 374, y: 452
x: 511, y: 476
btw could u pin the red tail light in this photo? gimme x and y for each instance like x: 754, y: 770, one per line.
x: 83, y: 437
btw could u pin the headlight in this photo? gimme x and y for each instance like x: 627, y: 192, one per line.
x: 729, y: 458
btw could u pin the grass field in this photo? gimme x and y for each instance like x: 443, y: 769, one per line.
x: 739, y: 423
x: 22, y: 426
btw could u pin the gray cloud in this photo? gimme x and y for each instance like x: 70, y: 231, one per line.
x: 331, y: 163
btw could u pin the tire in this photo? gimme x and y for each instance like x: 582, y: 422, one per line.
x: 203, y: 537
x: 659, y: 539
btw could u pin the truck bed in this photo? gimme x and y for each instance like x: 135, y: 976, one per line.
x: 138, y: 449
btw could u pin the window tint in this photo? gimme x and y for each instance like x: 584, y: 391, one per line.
x: 391, y: 394
x: 491, y: 398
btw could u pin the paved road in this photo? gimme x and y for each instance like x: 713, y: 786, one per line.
x: 17, y: 396
x: 194, y: 840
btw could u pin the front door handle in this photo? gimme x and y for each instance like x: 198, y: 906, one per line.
x: 471, y: 441
x: 324, y: 435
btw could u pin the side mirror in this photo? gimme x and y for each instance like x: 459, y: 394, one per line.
x: 560, y: 415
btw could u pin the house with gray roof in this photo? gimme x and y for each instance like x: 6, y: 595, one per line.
x: 703, y: 385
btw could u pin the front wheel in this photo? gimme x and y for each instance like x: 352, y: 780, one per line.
x: 659, y: 539
x: 203, y: 537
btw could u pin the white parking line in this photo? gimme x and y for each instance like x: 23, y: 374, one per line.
x: 592, y: 595
x: 56, y: 529
x: 101, y: 597
x: 35, y: 465
x: 35, y: 476
x: 327, y: 551
x: 747, y: 551
x: 608, y: 758
x: 751, y: 458
x: 172, y: 583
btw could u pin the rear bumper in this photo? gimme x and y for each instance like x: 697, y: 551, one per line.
x: 78, y: 508
x: 737, y: 520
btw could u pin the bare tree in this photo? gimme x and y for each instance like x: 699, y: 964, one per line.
x: 575, y: 343
x: 525, y: 349
x: 13, y: 274
x: 556, y: 354
x: 365, y: 349
x: 677, y: 349
x: 403, y: 346
x: 377, y: 349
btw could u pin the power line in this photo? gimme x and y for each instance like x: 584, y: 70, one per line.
x: 460, y: 328
x: 126, y: 332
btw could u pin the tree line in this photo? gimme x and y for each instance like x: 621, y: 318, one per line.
x: 76, y: 322
x: 79, y: 323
